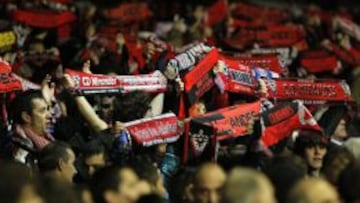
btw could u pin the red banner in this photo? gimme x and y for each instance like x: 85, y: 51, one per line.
x: 129, y: 12
x: 96, y: 83
x: 155, y: 130
x: 26, y: 84
x: 43, y: 18
x: 317, y: 61
x: 5, y: 67
x: 200, y: 79
x: 259, y: 14
x: 217, y: 12
x: 350, y: 56
x: 9, y: 84
x: 311, y: 91
x: 269, y: 62
x: 232, y: 121
x: 239, y: 78
x: 280, y: 121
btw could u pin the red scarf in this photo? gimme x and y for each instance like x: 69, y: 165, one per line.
x: 280, y: 121
x: 155, y: 130
x: 95, y: 83
x: 200, y: 79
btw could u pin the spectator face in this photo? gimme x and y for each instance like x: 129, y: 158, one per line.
x: 107, y: 108
x: 208, y: 185
x: 40, y: 117
x: 68, y: 167
x: 95, y: 162
x: 314, y: 156
x: 197, y: 109
x: 37, y: 49
x: 340, y: 131
x: 29, y: 195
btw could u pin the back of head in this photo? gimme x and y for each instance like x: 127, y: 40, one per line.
x: 336, y: 161
x: 145, y: 169
x: 349, y: 183
x: 103, y: 180
x: 57, y: 191
x: 14, y: 178
x: 49, y: 157
x: 153, y: 198
x: 313, y: 190
x: 284, y: 172
x: 353, y: 145
x: 247, y: 186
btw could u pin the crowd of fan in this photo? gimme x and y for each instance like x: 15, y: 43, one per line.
x: 61, y: 147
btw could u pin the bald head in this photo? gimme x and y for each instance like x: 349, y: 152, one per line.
x: 209, y: 180
x: 248, y: 186
x: 313, y: 190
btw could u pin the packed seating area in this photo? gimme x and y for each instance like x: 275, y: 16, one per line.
x: 154, y: 101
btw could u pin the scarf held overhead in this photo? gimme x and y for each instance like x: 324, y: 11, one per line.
x: 95, y: 83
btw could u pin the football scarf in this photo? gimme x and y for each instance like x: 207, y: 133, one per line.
x: 129, y: 12
x: 200, y: 79
x: 349, y: 27
x: 203, y: 132
x: 154, y: 130
x: 237, y: 78
x: 286, y: 55
x: 280, y: 121
x: 343, y: 54
x: 230, y: 122
x: 26, y: 84
x: 43, y: 18
x: 189, y: 58
x: 310, y: 91
x: 5, y: 67
x: 199, y: 142
x: 9, y: 83
x: 95, y: 83
x: 269, y: 62
x: 216, y: 13
x: 259, y: 14
x: 318, y: 61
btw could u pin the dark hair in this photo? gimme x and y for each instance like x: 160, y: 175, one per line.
x: 145, y: 169
x: 13, y: 176
x: 153, y: 198
x: 23, y: 103
x: 92, y: 148
x: 131, y: 106
x: 349, y: 183
x: 49, y: 157
x: 308, y: 138
x: 284, y: 171
x: 333, y: 167
x: 54, y: 191
x: 105, y: 179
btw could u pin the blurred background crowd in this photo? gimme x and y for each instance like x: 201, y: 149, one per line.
x: 208, y: 101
